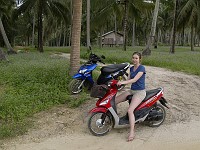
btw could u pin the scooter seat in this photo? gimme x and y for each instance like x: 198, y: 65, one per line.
x: 112, y: 68
x: 149, y: 94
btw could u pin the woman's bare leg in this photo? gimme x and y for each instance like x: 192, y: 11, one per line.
x: 121, y: 97
x: 134, y: 103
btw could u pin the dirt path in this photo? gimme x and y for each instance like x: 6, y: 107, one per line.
x: 62, y: 128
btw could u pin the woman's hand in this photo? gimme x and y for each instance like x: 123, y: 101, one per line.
x: 120, y: 83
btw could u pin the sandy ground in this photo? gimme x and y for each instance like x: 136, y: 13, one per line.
x: 63, y: 128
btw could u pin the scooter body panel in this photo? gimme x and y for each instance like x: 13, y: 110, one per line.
x: 85, y: 73
x: 99, y: 109
x: 150, y: 102
x: 88, y: 67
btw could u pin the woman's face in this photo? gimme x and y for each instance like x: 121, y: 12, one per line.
x: 135, y: 59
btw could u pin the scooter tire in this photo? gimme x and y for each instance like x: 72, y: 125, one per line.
x: 157, y: 123
x: 74, y: 86
x: 96, y: 126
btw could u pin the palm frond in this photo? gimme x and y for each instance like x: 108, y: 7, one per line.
x: 186, y: 10
x: 25, y: 7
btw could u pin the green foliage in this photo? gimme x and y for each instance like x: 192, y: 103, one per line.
x: 29, y: 83
x: 77, y: 100
x: 13, y: 129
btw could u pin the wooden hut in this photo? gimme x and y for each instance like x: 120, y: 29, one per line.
x: 111, y: 38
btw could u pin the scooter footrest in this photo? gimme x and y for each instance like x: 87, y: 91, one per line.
x: 124, y: 120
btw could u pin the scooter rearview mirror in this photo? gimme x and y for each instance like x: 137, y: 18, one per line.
x: 102, y: 56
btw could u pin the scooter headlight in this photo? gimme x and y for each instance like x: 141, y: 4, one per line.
x: 82, y: 71
x: 104, y: 102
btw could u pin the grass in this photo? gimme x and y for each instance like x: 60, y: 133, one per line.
x: 183, y: 60
x: 32, y: 82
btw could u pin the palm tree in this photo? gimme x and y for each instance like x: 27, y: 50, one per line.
x: 76, y: 33
x: 4, y: 10
x: 125, y: 22
x: 147, y: 51
x: 138, y: 10
x: 66, y: 25
x: 103, y: 16
x: 133, y: 9
x: 174, y: 28
x: 165, y: 18
x: 88, y: 24
x: 190, y: 12
x: 3, y: 33
x: 33, y: 30
x: 43, y: 8
x: 125, y: 3
x: 112, y: 14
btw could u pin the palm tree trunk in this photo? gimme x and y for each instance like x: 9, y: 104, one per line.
x: 33, y: 32
x: 156, y: 40
x: 57, y: 34
x: 60, y: 38
x: 40, y: 29
x: 160, y: 37
x: 64, y: 36
x: 76, y: 33
x: 192, y: 38
x: 183, y: 36
x: 100, y: 39
x: 2, y: 55
x: 133, y: 36
x: 88, y: 24
x: 173, y: 37
x: 60, y: 35
x: 5, y: 38
x: 70, y: 31
x: 125, y: 23
x: 116, y: 30
x: 147, y: 51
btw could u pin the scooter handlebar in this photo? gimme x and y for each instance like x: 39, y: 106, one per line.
x: 113, y: 83
x: 118, y: 86
x: 94, y: 58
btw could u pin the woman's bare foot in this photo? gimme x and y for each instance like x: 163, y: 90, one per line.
x: 131, y: 137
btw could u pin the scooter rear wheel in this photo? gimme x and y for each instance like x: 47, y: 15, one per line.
x: 75, y: 86
x: 156, y: 121
x: 100, y: 123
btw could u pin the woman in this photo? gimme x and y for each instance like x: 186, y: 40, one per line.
x: 137, y: 80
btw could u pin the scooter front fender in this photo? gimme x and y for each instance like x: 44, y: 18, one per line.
x: 78, y: 76
x: 99, y: 109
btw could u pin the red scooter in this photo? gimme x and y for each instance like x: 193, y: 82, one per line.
x: 104, y: 116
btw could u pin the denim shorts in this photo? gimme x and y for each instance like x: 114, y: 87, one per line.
x: 138, y: 94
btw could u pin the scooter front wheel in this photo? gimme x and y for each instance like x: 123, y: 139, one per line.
x: 100, y: 123
x: 75, y: 86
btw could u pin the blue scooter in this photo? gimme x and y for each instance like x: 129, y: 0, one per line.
x: 84, y: 76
